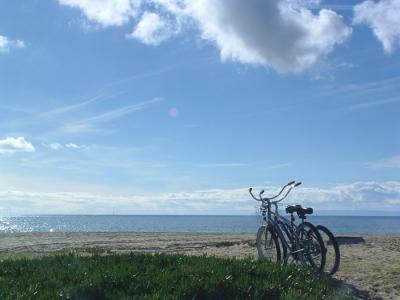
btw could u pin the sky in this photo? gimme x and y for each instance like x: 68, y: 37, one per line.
x: 178, y: 106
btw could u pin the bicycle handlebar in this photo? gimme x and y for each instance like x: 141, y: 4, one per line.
x: 292, y: 185
x: 250, y: 189
x: 287, y: 193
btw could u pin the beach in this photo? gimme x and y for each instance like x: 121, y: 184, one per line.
x: 371, y: 268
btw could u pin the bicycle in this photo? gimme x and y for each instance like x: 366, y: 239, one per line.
x: 281, y: 240
x: 331, y: 247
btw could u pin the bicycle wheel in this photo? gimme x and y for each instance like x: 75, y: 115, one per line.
x: 287, y: 235
x: 311, y: 242
x: 268, y: 245
x: 332, y: 250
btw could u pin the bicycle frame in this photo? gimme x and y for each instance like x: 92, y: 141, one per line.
x: 280, y: 224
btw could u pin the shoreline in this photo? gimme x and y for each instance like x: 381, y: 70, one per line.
x: 5, y: 233
x: 372, y: 267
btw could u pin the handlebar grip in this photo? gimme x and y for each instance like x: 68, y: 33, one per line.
x: 297, y: 184
x: 262, y: 192
x: 290, y: 183
x: 250, y: 189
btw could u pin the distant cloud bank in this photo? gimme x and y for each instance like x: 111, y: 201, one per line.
x: 379, y: 196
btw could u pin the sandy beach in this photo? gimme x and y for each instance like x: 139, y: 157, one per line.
x: 373, y: 268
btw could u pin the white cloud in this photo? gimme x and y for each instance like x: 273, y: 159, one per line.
x: 152, y: 29
x: 383, y: 17
x: 286, y: 35
x: 281, y: 34
x: 359, y: 195
x: 55, y: 146
x: 106, y: 12
x: 13, y: 145
x: 354, y: 196
x: 73, y: 146
x: 6, y: 44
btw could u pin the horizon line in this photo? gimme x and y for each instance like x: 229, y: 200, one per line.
x: 331, y: 213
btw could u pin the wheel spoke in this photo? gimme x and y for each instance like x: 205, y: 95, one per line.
x: 267, y: 245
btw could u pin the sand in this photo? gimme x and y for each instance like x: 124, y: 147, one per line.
x: 372, y: 269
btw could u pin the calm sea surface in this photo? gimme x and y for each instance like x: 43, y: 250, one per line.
x: 116, y: 223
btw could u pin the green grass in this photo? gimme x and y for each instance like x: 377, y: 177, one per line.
x: 161, y: 276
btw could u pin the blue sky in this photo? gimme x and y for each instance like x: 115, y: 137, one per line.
x: 159, y: 106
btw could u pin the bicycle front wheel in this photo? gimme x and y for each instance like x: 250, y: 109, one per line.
x: 332, y: 250
x: 268, y: 245
x: 312, y: 246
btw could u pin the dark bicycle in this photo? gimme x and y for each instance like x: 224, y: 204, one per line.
x: 331, y: 247
x: 281, y: 240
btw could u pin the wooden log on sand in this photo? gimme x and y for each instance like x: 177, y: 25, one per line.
x: 347, y: 240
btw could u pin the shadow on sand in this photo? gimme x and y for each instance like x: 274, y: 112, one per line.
x: 357, y: 293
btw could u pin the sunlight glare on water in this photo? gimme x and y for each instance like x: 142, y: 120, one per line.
x: 234, y: 224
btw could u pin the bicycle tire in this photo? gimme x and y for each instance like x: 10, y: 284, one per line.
x: 286, y: 235
x: 262, y: 244
x: 312, y: 243
x: 331, y: 242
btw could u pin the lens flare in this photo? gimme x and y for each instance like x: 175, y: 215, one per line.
x: 173, y: 112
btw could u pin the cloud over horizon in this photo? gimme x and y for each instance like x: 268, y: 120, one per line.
x: 379, y: 196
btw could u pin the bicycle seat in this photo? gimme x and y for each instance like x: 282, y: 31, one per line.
x: 301, y: 211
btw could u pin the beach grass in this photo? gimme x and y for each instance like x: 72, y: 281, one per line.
x: 159, y: 276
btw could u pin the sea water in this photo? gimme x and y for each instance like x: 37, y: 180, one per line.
x: 233, y: 224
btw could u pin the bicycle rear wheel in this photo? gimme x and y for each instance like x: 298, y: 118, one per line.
x: 311, y: 242
x: 332, y: 250
x: 268, y: 244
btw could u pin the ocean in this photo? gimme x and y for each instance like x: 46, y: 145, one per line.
x: 233, y: 224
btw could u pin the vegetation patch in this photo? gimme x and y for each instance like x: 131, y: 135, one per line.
x: 159, y: 276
